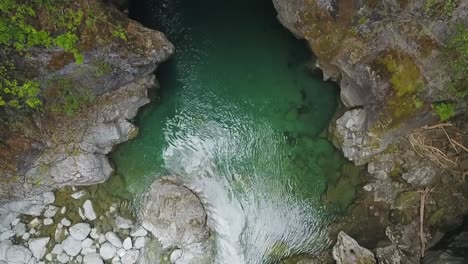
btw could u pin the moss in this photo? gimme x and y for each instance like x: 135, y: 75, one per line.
x: 329, y: 33
x: 405, y: 74
x: 436, y: 217
x: 406, y: 80
x: 406, y: 200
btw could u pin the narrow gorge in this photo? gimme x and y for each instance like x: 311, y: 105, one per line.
x: 233, y: 132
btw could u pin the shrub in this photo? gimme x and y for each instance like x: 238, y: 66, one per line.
x: 445, y: 111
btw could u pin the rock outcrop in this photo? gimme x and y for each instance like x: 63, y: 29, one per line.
x: 54, y: 149
x: 348, y: 251
x: 176, y: 217
x: 394, y: 63
x: 384, y: 66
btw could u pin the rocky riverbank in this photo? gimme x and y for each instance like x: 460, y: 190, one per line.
x: 71, y: 226
x: 391, y: 60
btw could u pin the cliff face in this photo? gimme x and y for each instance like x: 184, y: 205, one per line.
x: 389, y: 58
x: 66, y: 143
x: 395, y: 62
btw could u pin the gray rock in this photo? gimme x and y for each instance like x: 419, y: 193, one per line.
x: 93, y: 258
x: 176, y: 217
x: 123, y: 223
x: 19, y: 229
x: 86, y: 243
x: 4, y: 246
x: 38, y: 246
x: 114, y: 239
x: 127, y: 243
x: 65, y: 222
x: 139, y: 232
x: 78, y: 195
x: 89, y: 211
x: 6, y: 235
x: 390, y: 255
x: 48, y: 221
x: 421, y: 176
x: 175, y: 255
x: 6, y: 217
x: 71, y: 246
x: 174, y: 214
x: 121, y: 252
x: 107, y: 251
x: 32, y: 205
x: 348, y: 251
x: 58, y: 249
x: 18, y: 255
x: 130, y: 257
x: 140, y: 242
x: 50, y: 211
x: 80, y: 231
x: 63, y: 258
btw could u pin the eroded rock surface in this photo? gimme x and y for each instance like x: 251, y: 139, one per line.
x: 348, y: 251
x: 175, y: 216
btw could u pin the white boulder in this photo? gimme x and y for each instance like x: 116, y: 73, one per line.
x: 107, y: 251
x: 89, y: 211
x: 38, y: 246
x: 114, y: 239
x: 80, y: 231
x: 92, y: 258
x: 71, y: 246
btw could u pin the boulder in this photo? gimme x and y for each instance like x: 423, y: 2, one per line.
x: 93, y: 258
x: 71, y: 246
x: 50, y: 211
x: 107, y: 251
x: 89, y: 211
x: 130, y: 257
x: 31, y: 206
x: 127, y: 243
x: 18, y: 255
x: 63, y: 258
x: 4, y: 246
x: 78, y: 195
x: 139, y: 232
x: 176, y: 217
x: 38, y: 246
x: 174, y: 214
x: 114, y: 239
x: 140, y: 242
x: 348, y: 251
x: 80, y: 231
x: 123, y: 223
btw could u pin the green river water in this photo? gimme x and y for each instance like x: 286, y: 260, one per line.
x: 240, y: 119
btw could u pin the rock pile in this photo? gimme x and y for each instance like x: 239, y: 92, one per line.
x: 38, y: 231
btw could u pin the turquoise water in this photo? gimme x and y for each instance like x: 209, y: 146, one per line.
x: 239, y: 119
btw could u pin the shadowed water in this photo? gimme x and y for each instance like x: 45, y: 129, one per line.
x: 240, y: 121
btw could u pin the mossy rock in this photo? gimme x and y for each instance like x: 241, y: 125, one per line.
x: 436, y: 217
x: 406, y: 200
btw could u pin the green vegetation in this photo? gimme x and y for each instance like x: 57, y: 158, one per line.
x: 457, y: 56
x: 65, y: 97
x: 445, y: 111
x: 405, y: 75
x: 438, y: 8
x: 26, y: 24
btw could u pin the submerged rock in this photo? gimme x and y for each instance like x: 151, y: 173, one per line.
x: 348, y: 251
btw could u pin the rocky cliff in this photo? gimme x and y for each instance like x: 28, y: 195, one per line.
x: 87, y: 105
x: 399, y: 64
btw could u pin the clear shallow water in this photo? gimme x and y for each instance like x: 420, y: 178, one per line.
x: 240, y: 121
